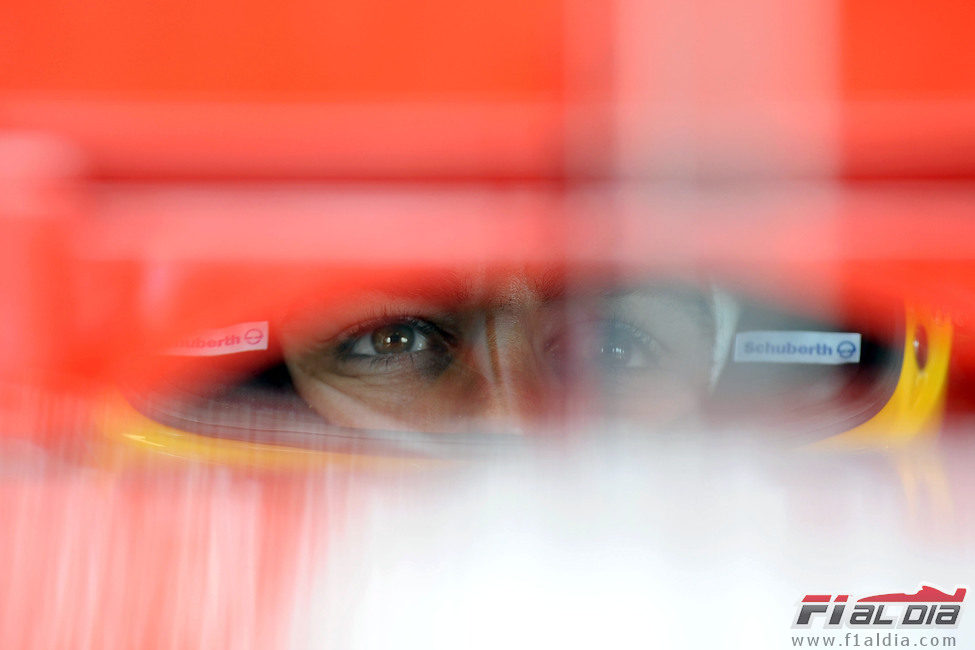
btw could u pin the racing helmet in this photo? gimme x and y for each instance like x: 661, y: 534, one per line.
x: 335, y: 387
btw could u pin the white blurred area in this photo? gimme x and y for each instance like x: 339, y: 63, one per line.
x: 697, y: 544
x: 624, y: 542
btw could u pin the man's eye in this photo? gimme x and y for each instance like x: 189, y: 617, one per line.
x: 611, y: 345
x: 624, y: 346
x: 620, y: 348
x: 402, y: 337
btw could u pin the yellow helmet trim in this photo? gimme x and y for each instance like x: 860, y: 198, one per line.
x: 915, y: 409
x: 132, y: 438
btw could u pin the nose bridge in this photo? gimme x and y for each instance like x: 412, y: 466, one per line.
x: 515, y: 383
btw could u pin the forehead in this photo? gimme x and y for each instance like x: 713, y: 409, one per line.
x: 522, y: 287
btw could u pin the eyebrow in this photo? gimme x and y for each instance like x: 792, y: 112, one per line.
x: 452, y: 287
x: 695, y: 301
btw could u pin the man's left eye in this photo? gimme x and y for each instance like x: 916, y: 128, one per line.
x: 611, y: 345
x: 624, y: 346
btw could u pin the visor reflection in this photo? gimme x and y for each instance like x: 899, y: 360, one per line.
x: 525, y: 356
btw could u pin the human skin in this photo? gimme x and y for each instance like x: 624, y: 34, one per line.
x: 505, y: 356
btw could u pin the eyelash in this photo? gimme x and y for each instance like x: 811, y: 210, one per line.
x: 638, y: 333
x: 612, y: 324
x: 434, y: 359
x: 348, y: 339
x: 427, y: 360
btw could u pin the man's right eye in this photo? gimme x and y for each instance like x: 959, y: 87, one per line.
x: 402, y: 345
x: 402, y: 337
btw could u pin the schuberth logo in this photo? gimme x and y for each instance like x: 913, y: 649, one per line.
x: 929, y: 607
x: 253, y: 336
x: 242, y: 337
